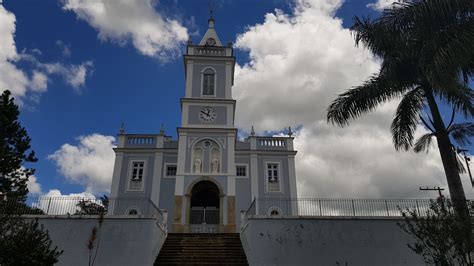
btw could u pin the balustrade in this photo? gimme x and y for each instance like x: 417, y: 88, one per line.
x: 210, y: 51
x: 141, y: 140
x: 271, y: 143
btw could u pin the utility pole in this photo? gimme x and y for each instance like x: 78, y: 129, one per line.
x: 433, y: 189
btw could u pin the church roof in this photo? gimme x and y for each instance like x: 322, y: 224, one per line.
x: 211, y: 34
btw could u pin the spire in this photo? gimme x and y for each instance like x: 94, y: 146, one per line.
x: 122, y: 129
x: 252, y: 132
x: 210, y: 38
x: 211, y: 12
x: 162, y: 129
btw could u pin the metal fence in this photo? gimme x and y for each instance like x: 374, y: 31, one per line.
x: 140, y: 207
x: 199, y: 215
x: 336, y: 207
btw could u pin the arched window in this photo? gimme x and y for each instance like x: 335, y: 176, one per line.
x: 274, y: 211
x: 132, y: 211
x: 208, y: 82
x: 206, y: 157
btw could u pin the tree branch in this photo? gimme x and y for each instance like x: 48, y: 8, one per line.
x: 426, y: 124
x: 452, y: 118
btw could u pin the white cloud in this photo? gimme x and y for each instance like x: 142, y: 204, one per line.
x: 17, y: 80
x: 382, y: 4
x: 39, y: 82
x: 89, y: 163
x: 33, y: 186
x: 74, y: 75
x: 11, y: 77
x: 65, y: 48
x: 7, y: 30
x: 299, y: 62
x: 36, y: 51
x: 135, y: 21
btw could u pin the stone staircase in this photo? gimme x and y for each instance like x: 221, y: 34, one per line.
x: 202, y: 249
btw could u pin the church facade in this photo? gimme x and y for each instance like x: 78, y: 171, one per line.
x: 206, y: 177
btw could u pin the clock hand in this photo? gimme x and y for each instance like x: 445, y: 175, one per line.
x: 204, y: 113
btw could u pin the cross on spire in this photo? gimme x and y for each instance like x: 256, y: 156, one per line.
x: 211, y: 10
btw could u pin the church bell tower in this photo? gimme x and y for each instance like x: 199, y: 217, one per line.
x: 207, y: 135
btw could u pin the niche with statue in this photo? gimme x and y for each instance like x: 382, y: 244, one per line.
x: 206, y: 157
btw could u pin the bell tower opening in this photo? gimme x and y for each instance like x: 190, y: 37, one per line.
x: 205, y: 203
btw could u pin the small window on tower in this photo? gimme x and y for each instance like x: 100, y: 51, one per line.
x: 241, y: 170
x: 208, y: 82
x: 137, y: 171
x: 273, y: 177
x: 272, y: 169
x: 171, y: 170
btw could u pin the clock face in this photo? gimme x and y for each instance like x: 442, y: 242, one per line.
x: 211, y: 41
x: 207, y: 114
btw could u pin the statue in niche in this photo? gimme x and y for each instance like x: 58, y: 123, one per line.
x: 197, y: 166
x: 215, y: 165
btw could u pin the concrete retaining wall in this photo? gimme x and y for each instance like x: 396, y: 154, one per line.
x: 327, y: 241
x: 124, y: 240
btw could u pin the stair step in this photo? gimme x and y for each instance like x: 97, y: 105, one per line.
x: 205, y: 254
x: 202, y: 249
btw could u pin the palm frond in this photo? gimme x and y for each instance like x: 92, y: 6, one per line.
x: 433, y: 14
x: 424, y: 142
x: 458, y: 95
x: 406, y: 119
x: 440, y: 32
x: 460, y: 164
x: 362, y: 99
x: 462, y: 132
x: 378, y: 39
x: 452, y: 53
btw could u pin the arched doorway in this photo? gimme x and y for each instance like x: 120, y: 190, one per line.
x: 205, y: 203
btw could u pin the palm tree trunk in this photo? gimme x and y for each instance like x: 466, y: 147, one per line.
x: 448, y: 157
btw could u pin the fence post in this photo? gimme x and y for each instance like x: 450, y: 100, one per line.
x: 353, y: 208
x: 164, y: 217
x: 320, y: 211
x: 386, y: 206
x: 243, y: 218
x: 417, y: 207
x: 49, y: 203
x: 256, y: 207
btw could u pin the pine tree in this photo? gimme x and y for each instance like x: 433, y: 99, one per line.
x: 25, y: 243
x: 14, y: 151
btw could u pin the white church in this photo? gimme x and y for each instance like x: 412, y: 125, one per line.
x: 240, y: 193
x: 206, y: 177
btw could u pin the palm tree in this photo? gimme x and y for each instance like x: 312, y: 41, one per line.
x: 427, y: 52
x: 460, y: 132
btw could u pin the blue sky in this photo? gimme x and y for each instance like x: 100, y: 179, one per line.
x: 122, y: 83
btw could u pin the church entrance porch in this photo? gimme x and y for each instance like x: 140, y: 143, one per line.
x: 204, y: 212
x: 204, y: 209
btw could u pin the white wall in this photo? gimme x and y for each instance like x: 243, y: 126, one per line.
x: 327, y: 241
x: 124, y: 240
